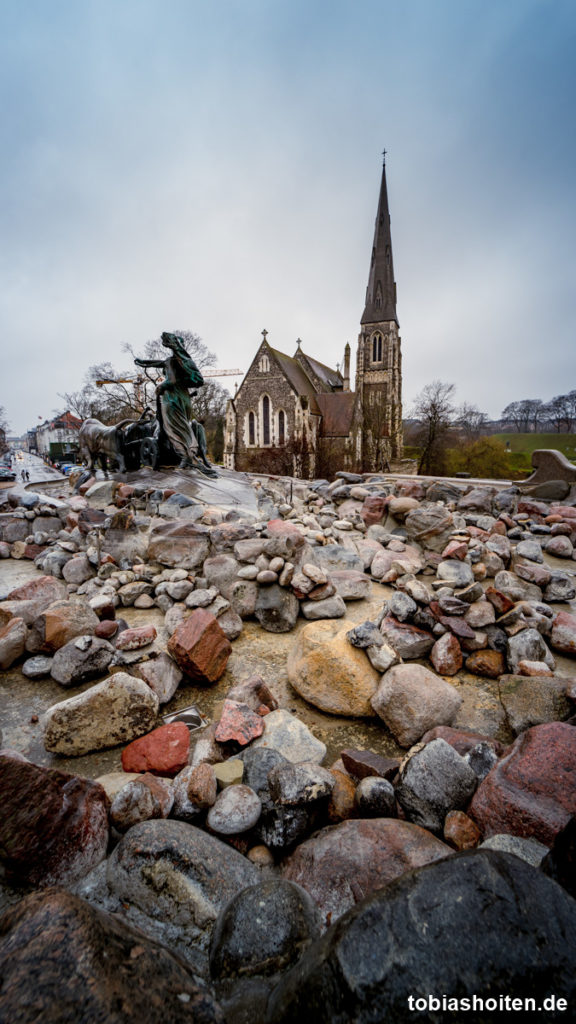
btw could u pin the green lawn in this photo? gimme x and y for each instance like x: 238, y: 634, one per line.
x: 527, y: 443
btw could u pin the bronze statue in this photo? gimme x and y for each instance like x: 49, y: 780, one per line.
x: 173, y: 401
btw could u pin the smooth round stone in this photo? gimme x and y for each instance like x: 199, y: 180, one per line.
x: 247, y: 572
x: 375, y: 798
x: 236, y: 810
x: 37, y: 668
x: 267, y: 576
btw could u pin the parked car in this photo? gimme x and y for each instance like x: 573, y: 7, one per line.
x: 6, y: 474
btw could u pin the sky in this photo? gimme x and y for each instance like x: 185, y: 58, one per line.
x: 214, y: 166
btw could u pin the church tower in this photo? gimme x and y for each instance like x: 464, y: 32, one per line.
x: 379, y: 359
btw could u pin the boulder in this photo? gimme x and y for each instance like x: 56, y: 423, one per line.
x: 63, y: 960
x: 60, y: 623
x: 434, y: 780
x: 427, y: 951
x: 276, y: 609
x: 175, y: 872
x: 195, y: 790
x: 455, y: 573
x: 533, y: 700
x: 350, y: 584
x: 141, y: 799
x: 446, y: 655
x: 289, y: 736
x: 563, y: 635
x: 135, y: 638
x: 343, y: 864
x: 200, y: 647
x: 325, y: 669
x: 13, y: 637
x: 162, y: 676
x: 235, y: 810
x: 221, y: 572
x: 411, y: 699
x: 179, y: 544
x: 262, y: 931
x: 84, y: 658
x: 430, y: 526
x: 528, y: 645
x: 29, y: 600
x: 115, y: 711
x: 375, y: 798
x: 407, y: 640
x: 329, y: 608
x: 53, y: 827
x: 532, y: 791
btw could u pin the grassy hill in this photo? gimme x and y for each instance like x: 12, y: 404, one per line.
x: 565, y: 443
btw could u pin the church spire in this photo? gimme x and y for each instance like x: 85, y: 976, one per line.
x: 381, y: 290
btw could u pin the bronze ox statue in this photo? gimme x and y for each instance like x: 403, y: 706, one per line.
x: 132, y: 444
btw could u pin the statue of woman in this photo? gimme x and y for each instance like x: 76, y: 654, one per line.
x: 173, y: 399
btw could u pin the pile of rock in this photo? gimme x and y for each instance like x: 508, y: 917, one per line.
x: 226, y: 854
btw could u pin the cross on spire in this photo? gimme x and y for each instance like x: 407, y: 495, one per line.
x: 264, y: 334
x: 384, y: 151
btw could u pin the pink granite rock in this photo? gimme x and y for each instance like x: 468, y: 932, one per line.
x: 133, y: 639
x: 532, y: 791
x: 239, y: 723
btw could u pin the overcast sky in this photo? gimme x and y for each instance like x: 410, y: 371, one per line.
x: 214, y: 166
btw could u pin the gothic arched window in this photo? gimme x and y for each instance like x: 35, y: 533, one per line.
x: 377, y: 348
x: 265, y: 420
x: 281, y: 427
x: 251, y: 428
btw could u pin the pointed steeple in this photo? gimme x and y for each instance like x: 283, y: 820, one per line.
x: 381, y: 290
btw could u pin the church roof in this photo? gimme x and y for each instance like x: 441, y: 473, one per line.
x: 337, y: 409
x: 381, y: 291
x: 295, y: 373
x: 331, y: 378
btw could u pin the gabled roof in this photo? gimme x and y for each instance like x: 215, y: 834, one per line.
x: 337, y: 409
x: 332, y: 378
x: 299, y: 380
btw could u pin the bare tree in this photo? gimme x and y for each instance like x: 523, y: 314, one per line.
x: 4, y: 428
x: 471, y: 422
x: 434, y: 411
x: 526, y: 415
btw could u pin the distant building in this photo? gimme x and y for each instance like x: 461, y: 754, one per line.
x: 294, y: 415
x: 58, y: 438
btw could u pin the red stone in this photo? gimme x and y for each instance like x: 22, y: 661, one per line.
x: 532, y: 791
x: 88, y: 518
x: 500, y: 602
x: 106, y: 628
x: 364, y: 763
x: 373, y: 508
x: 456, y: 549
x: 200, y: 647
x: 53, y: 826
x: 164, y: 751
x: 133, y: 639
x: 563, y: 636
x: 461, y: 739
x: 239, y: 723
x: 499, y: 527
x: 487, y: 663
x: 460, y: 831
x: 341, y: 805
x: 446, y: 655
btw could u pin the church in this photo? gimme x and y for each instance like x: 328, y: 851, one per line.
x: 292, y: 415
